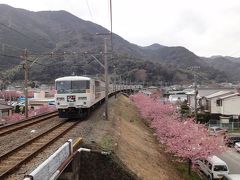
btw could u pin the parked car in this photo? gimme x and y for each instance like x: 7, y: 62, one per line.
x: 237, y: 147
x: 231, y: 177
x: 231, y: 139
x: 214, y: 131
x: 22, y: 103
x: 213, y: 167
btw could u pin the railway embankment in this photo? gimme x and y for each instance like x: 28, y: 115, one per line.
x: 137, y: 146
x: 136, y: 154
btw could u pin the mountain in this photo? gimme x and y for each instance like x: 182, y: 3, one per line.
x: 68, y: 37
x: 229, y: 65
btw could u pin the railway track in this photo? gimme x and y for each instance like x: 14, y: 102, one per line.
x: 7, y: 129
x: 13, y: 159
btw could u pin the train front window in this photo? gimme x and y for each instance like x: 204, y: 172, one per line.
x: 80, y: 86
x: 63, y: 87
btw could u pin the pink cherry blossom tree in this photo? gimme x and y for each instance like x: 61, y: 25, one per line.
x: 14, y: 117
x: 41, y: 110
x: 182, y: 136
x: 10, y: 94
x: 52, y: 92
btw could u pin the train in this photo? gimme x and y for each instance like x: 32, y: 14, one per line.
x: 78, y: 95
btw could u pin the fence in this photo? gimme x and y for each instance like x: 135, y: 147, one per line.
x: 230, y: 126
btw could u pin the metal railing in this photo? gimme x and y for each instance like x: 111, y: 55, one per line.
x: 230, y: 126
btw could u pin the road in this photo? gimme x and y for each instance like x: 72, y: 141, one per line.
x: 232, y: 158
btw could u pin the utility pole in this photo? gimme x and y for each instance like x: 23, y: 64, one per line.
x: 106, y: 72
x: 115, y: 83
x: 3, y: 48
x: 26, y: 83
x: 106, y: 78
x: 120, y: 84
x: 111, y: 39
x: 105, y: 66
x: 194, y: 69
x: 195, y: 96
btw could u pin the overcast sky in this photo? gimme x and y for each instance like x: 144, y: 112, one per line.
x: 206, y: 27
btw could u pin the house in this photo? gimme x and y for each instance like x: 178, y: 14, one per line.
x: 177, y: 96
x: 229, y: 104
x: 201, y: 93
x: 225, y: 108
x: 209, y: 103
x: 40, y: 99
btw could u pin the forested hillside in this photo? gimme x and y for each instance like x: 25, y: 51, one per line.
x: 59, y: 40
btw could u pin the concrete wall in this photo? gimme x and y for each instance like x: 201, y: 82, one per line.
x: 46, y: 170
x: 231, y: 106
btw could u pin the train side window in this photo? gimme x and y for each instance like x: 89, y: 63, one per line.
x: 80, y: 86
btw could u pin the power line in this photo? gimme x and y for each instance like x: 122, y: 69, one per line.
x: 15, y: 30
x: 19, y: 57
x: 14, y: 47
x: 89, y: 9
x: 10, y: 56
x: 24, y: 35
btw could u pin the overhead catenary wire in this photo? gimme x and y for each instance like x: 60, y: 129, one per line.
x: 89, y: 9
x: 11, y: 46
x: 12, y: 29
x: 20, y: 57
x: 26, y: 36
x: 10, y: 56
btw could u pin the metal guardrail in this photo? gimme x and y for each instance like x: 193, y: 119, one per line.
x: 230, y: 126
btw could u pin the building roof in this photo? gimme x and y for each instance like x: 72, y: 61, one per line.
x: 73, y: 78
x: 146, y: 92
x: 203, y: 92
x: 219, y: 93
x: 229, y: 96
x: 192, y: 92
x: 152, y: 87
x: 5, y: 107
x: 176, y: 92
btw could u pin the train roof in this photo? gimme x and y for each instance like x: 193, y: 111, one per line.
x: 72, y: 78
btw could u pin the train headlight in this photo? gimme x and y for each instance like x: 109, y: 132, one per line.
x: 82, y: 98
x: 60, y: 98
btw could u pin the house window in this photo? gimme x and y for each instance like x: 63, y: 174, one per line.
x: 219, y: 102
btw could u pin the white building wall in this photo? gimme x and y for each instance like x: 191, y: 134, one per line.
x: 177, y: 97
x: 214, y: 108
x: 231, y: 106
x: 192, y: 101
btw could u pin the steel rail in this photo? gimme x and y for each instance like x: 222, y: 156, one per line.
x: 35, y: 145
x: 25, y: 123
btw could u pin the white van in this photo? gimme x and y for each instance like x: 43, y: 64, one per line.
x: 231, y: 177
x: 213, y: 167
